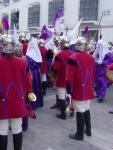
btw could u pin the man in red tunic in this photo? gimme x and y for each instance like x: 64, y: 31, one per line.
x: 43, y: 69
x: 60, y: 65
x: 15, y: 84
x: 80, y: 79
x: 23, y: 41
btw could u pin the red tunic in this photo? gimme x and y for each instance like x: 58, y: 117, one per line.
x: 24, y: 50
x: 60, y: 65
x: 15, y: 83
x: 44, y: 62
x: 110, y: 78
x: 81, y: 76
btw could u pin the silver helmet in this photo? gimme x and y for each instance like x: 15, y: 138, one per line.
x: 64, y: 40
x: 7, y: 44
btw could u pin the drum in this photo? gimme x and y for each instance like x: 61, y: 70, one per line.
x: 109, y: 75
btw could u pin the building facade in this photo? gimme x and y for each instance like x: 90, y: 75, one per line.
x: 31, y: 15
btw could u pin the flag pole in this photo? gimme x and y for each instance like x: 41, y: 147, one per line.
x: 99, y: 26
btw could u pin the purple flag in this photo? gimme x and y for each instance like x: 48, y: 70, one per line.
x: 58, y: 14
x: 85, y: 30
x: 45, y: 33
x: 5, y: 23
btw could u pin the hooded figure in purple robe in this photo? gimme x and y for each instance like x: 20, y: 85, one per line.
x: 103, y: 57
x: 34, y: 59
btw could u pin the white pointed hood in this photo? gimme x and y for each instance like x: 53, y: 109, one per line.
x: 74, y: 33
x: 33, y: 51
x: 101, y: 51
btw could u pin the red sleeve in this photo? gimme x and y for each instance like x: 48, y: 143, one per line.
x: 93, y: 71
x: 57, y: 63
x: 25, y: 46
x: 110, y: 66
x: 28, y: 81
x: 71, y: 71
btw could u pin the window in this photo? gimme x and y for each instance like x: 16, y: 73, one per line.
x: 15, y: 20
x: 53, y: 7
x: 15, y: 0
x: 88, y: 10
x: 34, y: 16
x: 5, y: 2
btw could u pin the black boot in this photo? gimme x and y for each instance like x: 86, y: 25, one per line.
x: 62, y: 115
x: 57, y: 104
x: 100, y: 99
x: 17, y: 141
x: 24, y: 123
x: 79, y: 135
x: 3, y: 142
x: 87, y: 123
x: 44, y: 87
x: 111, y: 112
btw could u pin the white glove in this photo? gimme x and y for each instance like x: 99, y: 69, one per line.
x: 32, y: 97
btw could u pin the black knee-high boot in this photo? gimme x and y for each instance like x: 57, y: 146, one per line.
x: 25, y: 123
x: 79, y: 135
x: 57, y: 104
x: 3, y: 142
x: 111, y: 112
x: 44, y: 87
x: 87, y: 123
x: 17, y: 141
x: 62, y: 115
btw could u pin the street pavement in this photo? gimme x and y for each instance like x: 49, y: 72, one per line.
x: 49, y: 133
